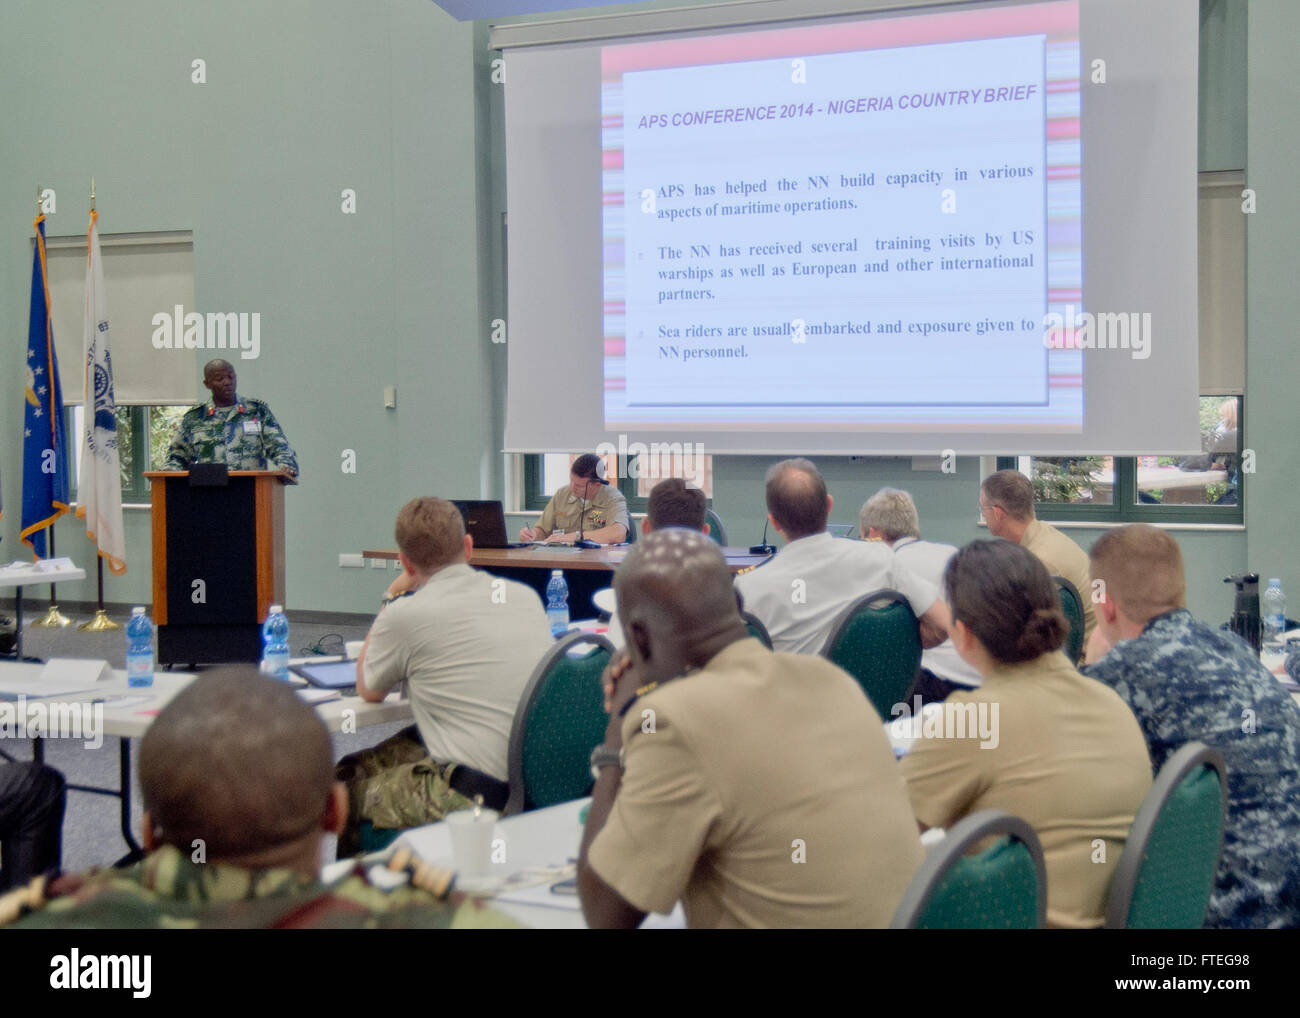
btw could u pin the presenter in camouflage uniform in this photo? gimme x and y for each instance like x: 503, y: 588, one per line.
x: 241, y: 433
x: 590, y: 498
x: 1189, y: 682
x: 238, y: 786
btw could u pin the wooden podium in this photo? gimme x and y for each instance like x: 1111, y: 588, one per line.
x: 218, y: 563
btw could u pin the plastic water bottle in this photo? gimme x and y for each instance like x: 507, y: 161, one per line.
x: 139, y: 649
x: 275, y: 644
x: 1274, y: 616
x: 557, y: 603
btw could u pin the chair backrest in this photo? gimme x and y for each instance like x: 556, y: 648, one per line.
x: 877, y: 640
x: 716, y: 530
x: 756, y: 628
x: 559, y: 721
x: 1002, y: 888
x: 1166, y: 873
x: 1072, y: 605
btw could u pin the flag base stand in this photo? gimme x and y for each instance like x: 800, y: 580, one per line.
x: 101, y: 623
x: 53, y: 619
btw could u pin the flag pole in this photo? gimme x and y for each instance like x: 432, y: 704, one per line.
x: 101, y: 623
x: 53, y: 618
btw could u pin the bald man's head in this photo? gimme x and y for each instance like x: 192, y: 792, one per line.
x: 676, y: 602
x: 238, y: 761
x: 219, y: 379
x: 796, y: 498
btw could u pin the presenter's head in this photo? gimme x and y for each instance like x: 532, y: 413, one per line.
x: 1007, y: 504
x: 797, y: 502
x: 430, y: 535
x: 673, y: 503
x: 219, y: 379
x: 676, y: 603
x: 889, y: 515
x: 587, y: 475
x: 239, y: 767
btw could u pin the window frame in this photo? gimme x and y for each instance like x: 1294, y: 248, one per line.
x: 535, y: 501
x: 137, y: 493
x: 1125, y: 508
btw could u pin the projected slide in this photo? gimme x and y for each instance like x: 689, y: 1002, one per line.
x: 861, y: 225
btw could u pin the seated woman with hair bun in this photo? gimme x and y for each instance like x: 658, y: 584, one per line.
x: 1037, y: 740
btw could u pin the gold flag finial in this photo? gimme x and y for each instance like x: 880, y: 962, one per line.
x: 92, y: 194
x: 39, y: 203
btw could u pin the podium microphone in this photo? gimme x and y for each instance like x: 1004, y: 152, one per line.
x: 764, y: 548
x: 581, y: 542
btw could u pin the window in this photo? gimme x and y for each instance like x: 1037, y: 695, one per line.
x: 547, y: 473
x: 1206, y: 488
x: 143, y: 436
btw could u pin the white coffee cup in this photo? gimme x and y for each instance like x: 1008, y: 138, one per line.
x: 471, y: 841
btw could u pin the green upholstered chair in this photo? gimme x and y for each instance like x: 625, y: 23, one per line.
x: 1166, y: 873
x: 716, y: 530
x: 1004, y: 887
x: 877, y: 640
x: 560, y: 720
x: 1072, y: 605
x: 756, y: 628
x: 376, y: 839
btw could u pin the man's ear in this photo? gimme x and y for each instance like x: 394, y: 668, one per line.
x: 707, y: 529
x: 335, y: 817
x: 469, y: 546
x: 1106, y: 608
x: 645, y: 525
x: 639, y: 638
x: 149, y: 835
x: 830, y: 505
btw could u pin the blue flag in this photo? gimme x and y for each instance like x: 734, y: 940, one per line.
x: 45, y: 453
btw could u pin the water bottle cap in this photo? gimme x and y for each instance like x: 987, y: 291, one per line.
x: 277, y: 609
x: 138, y: 610
x: 1274, y: 581
x: 557, y: 572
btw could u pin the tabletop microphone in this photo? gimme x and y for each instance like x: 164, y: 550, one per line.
x: 581, y: 542
x: 764, y: 548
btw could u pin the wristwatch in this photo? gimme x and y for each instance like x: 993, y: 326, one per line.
x: 603, y: 756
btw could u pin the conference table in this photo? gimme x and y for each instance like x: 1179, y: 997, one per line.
x: 537, y: 850
x: 585, y: 570
x: 126, y: 712
x: 21, y: 575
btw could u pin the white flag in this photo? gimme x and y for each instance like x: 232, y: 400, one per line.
x: 99, y: 488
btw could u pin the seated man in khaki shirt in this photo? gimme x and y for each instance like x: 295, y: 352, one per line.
x: 757, y: 788
x: 1007, y: 502
x: 589, y: 509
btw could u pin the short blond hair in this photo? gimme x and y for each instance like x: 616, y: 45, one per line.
x: 1141, y: 568
x: 430, y: 532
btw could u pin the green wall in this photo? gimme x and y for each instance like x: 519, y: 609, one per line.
x: 302, y: 100
x: 395, y: 100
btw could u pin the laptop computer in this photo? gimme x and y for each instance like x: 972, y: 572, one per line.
x: 328, y: 674
x: 485, y: 522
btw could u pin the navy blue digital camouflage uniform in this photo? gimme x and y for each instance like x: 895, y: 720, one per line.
x: 1188, y: 682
